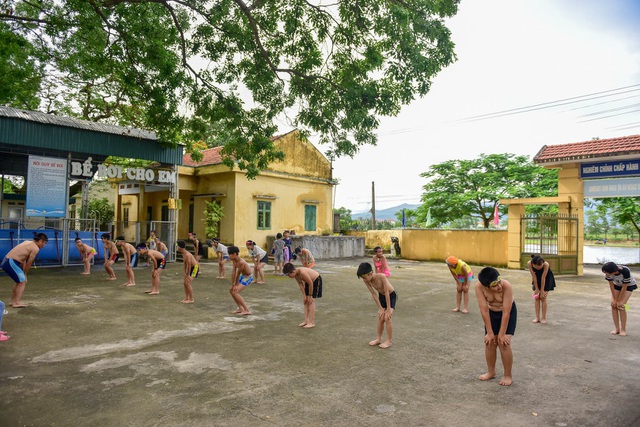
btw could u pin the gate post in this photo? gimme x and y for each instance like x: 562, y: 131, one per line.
x: 571, y: 185
x: 516, y: 211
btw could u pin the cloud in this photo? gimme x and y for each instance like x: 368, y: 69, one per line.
x: 511, y: 54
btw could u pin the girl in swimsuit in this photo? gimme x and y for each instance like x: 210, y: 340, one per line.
x: 380, y: 262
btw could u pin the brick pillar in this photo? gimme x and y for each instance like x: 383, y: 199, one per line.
x: 570, y: 184
x: 513, y: 237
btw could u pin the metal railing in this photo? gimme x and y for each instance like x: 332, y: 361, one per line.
x: 62, y: 232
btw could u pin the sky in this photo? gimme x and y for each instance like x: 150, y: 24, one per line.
x: 511, y: 54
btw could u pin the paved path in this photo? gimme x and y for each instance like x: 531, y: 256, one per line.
x: 91, y: 352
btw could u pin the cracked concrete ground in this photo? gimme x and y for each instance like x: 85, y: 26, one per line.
x: 89, y: 352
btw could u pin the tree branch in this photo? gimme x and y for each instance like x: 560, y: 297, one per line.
x: 267, y: 57
x: 16, y: 18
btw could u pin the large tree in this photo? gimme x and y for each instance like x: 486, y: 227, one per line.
x: 21, y: 75
x: 226, y: 71
x: 346, y: 222
x: 463, y: 188
x: 625, y: 210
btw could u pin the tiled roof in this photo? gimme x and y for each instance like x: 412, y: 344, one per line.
x: 210, y: 156
x: 594, y: 149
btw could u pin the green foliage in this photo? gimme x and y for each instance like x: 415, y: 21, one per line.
x: 21, y: 74
x: 101, y: 210
x: 612, y: 218
x: 470, y: 188
x: 225, y: 72
x: 213, y: 213
x: 596, y: 224
x: 7, y: 188
x: 346, y: 222
x: 410, y: 218
x: 625, y: 210
x: 465, y: 222
x: 12, y: 184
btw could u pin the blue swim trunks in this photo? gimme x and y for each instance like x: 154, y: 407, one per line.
x: 245, y: 281
x: 13, y: 269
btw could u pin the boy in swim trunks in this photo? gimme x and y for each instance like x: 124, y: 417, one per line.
x: 385, y: 299
x: 462, y: 275
x: 190, y: 269
x: 241, y: 277
x: 17, y: 264
x: 161, y: 247
x: 499, y: 314
x: 158, y: 261
x: 111, y: 255
x: 310, y: 283
x: 130, y: 260
x: 622, y: 283
x: 86, y: 253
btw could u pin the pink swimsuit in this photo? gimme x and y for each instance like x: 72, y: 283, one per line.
x: 386, y: 271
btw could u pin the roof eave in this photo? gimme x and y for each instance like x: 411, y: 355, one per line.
x: 581, y: 159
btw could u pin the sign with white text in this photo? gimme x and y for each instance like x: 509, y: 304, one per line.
x: 610, y: 169
x: 86, y: 170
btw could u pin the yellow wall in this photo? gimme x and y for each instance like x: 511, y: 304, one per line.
x: 8, y: 204
x: 304, y: 178
x: 138, y: 212
x: 375, y: 238
x: 480, y: 247
x: 287, y: 209
x: 128, y: 201
x: 301, y: 158
x: 206, y: 188
x: 516, y: 211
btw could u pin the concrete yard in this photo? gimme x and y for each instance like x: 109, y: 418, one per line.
x: 89, y: 352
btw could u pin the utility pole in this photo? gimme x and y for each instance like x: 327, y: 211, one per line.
x: 373, y: 205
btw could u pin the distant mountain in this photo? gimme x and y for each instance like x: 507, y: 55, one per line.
x: 383, y: 214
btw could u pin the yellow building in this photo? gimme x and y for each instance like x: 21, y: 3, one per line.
x: 295, y: 194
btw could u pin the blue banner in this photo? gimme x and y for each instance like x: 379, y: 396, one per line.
x: 610, y: 169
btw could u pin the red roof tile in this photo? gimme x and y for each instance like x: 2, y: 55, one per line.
x: 210, y: 156
x: 597, y: 148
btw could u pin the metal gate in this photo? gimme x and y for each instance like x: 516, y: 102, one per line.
x: 554, y: 238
